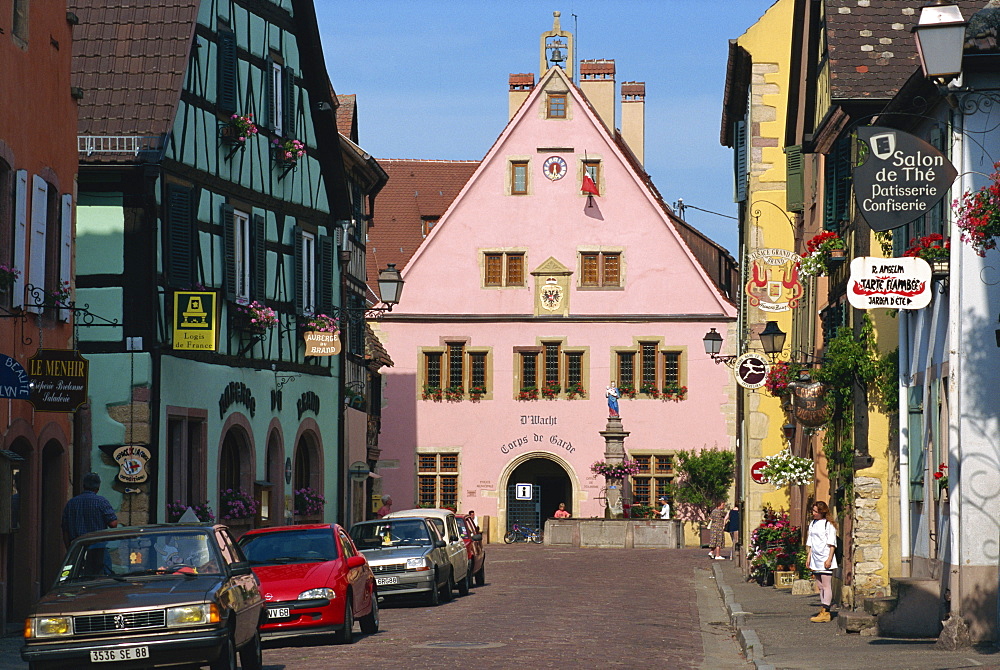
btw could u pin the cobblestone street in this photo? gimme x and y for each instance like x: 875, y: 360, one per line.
x: 549, y: 607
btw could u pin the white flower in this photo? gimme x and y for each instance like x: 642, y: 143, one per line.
x: 784, y: 469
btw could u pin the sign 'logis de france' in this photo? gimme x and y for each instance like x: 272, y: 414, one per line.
x: 898, y: 178
x: 892, y: 283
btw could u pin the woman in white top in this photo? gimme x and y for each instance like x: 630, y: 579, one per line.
x: 822, y: 559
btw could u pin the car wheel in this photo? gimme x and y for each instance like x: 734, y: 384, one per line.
x: 449, y: 587
x: 227, y: 657
x: 510, y: 537
x: 369, y: 622
x: 346, y: 634
x: 481, y: 575
x: 251, y: 656
x: 466, y: 583
x: 435, y: 594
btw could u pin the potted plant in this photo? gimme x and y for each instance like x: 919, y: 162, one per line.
x: 649, y: 389
x: 60, y: 296
x: 941, y: 476
x: 551, y: 390
x: 476, y: 393
x: 433, y: 393
x: 575, y: 389
x: 238, y: 129
x: 236, y: 505
x: 8, y: 275
x: 779, y: 376
x: 675, y: 392
x: 321, y: 323
x: 615, y: 471
x: 932, y: 248
x: 454, y: 393
x: 288, y: 152
x: 979, y: 214
x: 176, y: 509
x: 254, y: 317
x: 528, y: 393
x: 783, y: 469
x: 626, y: 391
x: 309, y: 502
x: 774, y: 542
x: 823, y: 250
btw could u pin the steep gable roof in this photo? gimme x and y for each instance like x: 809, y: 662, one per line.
x: 130, y: 58
x: 347, y: 116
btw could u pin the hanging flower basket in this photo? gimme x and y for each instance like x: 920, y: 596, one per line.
x: 779, y: 376
x: 288, y: 152
x: 320, y: 323
x: 979, y: 214
x: 8, y: 275
x: 254, y: 318
x: 621, y: 470
x: 238, y: 130
x: 823, y: 250
x: 783, y: 469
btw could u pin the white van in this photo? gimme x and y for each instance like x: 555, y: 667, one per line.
x: 458, y: 556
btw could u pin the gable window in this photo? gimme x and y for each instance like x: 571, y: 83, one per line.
x: 556, y: 106
x: 600, y: 269
x: 657, y: 369
x: 426, y: 223
x: 437, y: 480
x: 519, y: 177
x: 503, y: 268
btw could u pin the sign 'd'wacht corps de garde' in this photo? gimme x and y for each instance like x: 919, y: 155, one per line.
x: 898, y: 178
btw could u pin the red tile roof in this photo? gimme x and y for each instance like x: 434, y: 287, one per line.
x: 416, y: 189
x: 129, y: 58
x: 347, y: 116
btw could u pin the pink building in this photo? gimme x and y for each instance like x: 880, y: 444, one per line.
x: 527, y: 287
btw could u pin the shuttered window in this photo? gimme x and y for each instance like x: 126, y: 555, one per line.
x: 741, y: 161
x: 794, y: 188
x: 225, y: 96
x: 494, y: 270
x: 837, y: 184
x: 288, y: 102
x: 600, y: 269
x: 503, y: 268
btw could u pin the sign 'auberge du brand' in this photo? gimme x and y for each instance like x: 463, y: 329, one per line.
x: 898, y: 178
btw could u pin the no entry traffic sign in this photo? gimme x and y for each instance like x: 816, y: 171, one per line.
x: 757, y: 472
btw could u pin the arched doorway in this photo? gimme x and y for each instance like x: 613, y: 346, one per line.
x: 275, y: 474
x: 53, y: 499
x: 236, y: 468
x: 21, y: 552
x: 308, y: 464
x: 550, y: 482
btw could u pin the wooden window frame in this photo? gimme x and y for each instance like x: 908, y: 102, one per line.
x: 553, y: 108
x: 605, y: 278
x: 652, y: 482
x: 639, y: 354
x: 433, y: 366
x: 515, y: 166
x: 506, y: 261
x: 187, y: 459
x: 593, y: 168
x: 242, y: 253
x: 438, y: 486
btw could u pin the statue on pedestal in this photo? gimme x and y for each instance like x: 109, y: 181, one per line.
x: 612, y: 395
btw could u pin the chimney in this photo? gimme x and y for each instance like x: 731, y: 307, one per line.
x: 634, y: 117
x: 597, y: 81
x: 520, y: 87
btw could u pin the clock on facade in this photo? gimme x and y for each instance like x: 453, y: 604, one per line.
x: 554, y: 168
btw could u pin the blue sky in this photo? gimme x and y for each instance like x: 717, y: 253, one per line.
x: 431, y: 78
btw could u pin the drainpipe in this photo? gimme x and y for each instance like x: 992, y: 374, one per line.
x: 904, y: 444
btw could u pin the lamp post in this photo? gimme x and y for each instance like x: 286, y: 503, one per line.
x: 713, y: 345
x: 940, y: 35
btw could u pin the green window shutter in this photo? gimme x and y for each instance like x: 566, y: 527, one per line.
x: 226, y: 75
x: 229, y: 250
x: 288, y: 102
x: 325, y: 273
x: 837, y: 184
x: 259, y: 258
x: 181, y: 236
x: 741, y: 167
x: 794, y: 187
x: 299, y: 260
x: 269, y: 106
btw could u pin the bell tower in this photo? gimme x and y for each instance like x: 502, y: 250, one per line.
x: 556, y: 49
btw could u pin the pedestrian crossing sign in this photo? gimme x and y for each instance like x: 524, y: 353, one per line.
x: 195, y: 320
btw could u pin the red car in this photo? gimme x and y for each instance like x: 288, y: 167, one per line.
x: 314, y: 581
x: 473, y: 539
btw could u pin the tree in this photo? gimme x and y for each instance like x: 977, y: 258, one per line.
x: 704, y: 479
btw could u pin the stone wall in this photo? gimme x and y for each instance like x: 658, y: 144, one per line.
x: 867, y: 541
x: 615, y: 533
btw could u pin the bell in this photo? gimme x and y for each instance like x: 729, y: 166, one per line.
x: 557, y: 56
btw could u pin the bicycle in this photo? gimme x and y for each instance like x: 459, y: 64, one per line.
x: 519, y: 533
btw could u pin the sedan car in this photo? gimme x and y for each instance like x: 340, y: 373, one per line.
x: 473, y: 539
x: 447, y: 525
x: 408, y: 557
x: 149, y: 597
x: 314, y: 581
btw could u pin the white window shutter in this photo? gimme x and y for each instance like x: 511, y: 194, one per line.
x: 66, y: 249
x: 20, y: 235
x: 36, y: 245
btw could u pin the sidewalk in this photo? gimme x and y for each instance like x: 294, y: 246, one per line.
x: 774, y: 630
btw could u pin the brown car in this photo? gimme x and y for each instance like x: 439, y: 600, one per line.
x: 149, y: 597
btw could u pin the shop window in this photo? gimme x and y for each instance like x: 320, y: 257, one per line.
x: 503, y: 268
x: 600, y: 269
x: 437, y: 480
x: 187, y: 456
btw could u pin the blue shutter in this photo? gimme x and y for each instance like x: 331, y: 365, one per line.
x: 226, y: 72
x: 741, y: 169
x: 229, y: 251
x: 259, y: 258
x: 181, y: 236
x: 288, y: 102
x: 299, y: 260
x: 325, y: 273
x: 269, y: 106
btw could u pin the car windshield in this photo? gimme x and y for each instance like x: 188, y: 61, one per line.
x: 463, y: 529
x: 166, y: 552
x: 390, y: 533
x: 313, y: 545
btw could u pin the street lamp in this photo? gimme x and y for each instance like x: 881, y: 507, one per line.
x: 940, y: 35
x: 390, y: 285
x: 772, y: 339
x: 713, y: 345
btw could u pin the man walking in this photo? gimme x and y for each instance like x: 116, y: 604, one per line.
x: 88, y: 511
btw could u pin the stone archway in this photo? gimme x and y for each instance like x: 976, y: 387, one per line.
x: 556, y: 479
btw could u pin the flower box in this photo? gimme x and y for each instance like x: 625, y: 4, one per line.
x: 528, y: 393
x: 476, y: 393
x: 287, y: 153
x: 649, y: 389
x: 551, y: 390
x: 675, y: 392
x: 823, y: 250
x: 627, y: 391
x: 434, y: 393
x: 254, y: 317
x: 575, y: 390
x: 454, y: 393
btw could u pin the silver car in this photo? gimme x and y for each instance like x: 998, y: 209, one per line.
x: 447, y: 525
x: 408, y: 557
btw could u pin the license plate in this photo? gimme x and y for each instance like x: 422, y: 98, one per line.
x: 278, y: 613
x: 379, y: 581
x: 120, y: 654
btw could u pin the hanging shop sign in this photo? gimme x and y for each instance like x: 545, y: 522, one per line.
x: 751, y: 370
x: 774, y: 284
x: 899, y: 177
x: 132, y: 460
x: 809, y: 406
x: 892, y: 283
x: 58, y: 380
x: 195, y: 320
x: 322, y: 343
x: 14, y: 380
